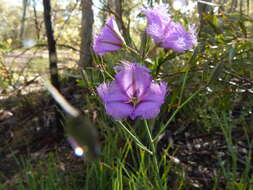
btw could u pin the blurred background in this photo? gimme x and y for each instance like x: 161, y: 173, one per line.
x: 208, y: 145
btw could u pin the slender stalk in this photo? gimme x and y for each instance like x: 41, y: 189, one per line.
x: 168, y: 57
x: 150, y: 51
x: 175, y: 113
x: 131, y: 50
x: 183, y: 86
x: 103, y: 70
x: 137, y: 141
x: 152, y: 146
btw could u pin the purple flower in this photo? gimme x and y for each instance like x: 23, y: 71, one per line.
x: 178, y: 39
x: 157, y: 15
x: 109, y: 39
x: 132, y: 93
x: 158, y: 20
x: 166, y: 32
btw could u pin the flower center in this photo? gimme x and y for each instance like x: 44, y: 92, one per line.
x: 134, y: 101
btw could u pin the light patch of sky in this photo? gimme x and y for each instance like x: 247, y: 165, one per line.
x: 13, y: 2
x: 39, y: 4
x: 183, y: 5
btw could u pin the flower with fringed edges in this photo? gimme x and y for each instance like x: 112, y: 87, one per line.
x: 167, y: 33
x: 132, y: 93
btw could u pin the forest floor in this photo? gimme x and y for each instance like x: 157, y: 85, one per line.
x: 26, y: 112
x: 26, y: 69
x: 27, y: 139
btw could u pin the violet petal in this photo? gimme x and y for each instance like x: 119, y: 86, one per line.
x: 133, y: 79
x: 149, y: 107
x: 115, y: 101
x: 109, y: 39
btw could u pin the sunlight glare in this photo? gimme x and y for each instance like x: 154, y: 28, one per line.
x: 178, y: 4
x: 78, y: 151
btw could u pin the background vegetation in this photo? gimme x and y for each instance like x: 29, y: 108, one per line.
x: 203, y: 132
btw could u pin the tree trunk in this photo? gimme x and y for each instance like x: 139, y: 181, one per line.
x: 241, y: 6
x: 22, y: 28
x: 233, y: 5
x: 86, y: 34
x: 108, y: 5
x: 104, y: 13
x: 119, y: 20
x: 203, y: 9
x: 118, y: 11
x: 37, y: 27
x: 150, y: 3
x: 53, y: 62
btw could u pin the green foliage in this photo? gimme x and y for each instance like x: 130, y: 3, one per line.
x: 206, y: 87
x: 45, y: 174
x: 210, y: 94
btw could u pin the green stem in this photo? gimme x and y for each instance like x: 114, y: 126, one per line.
x: 183, y: 86
x: 104, y: 70
x: 152, y: 146
x: 168, y: 57
x: 137, y: 141
x: 131, y: 50
x: 150, y: 51
x: 175, y: 113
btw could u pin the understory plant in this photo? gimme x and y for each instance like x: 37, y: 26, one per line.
x: 141, y: 97
x: 137, y: 91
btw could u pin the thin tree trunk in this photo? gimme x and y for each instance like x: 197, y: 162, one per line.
x: 22, y: 28
x: 104, y: 13
x: 248, y: 7
x: 233, y: 5
x: 150, y: 2
x: 236, y: 4
x: 203, y: 9
x: 108, y: 5
x: 118, y: 11
x: 241, y: 6
x: 52, y: 61
x: 119, y: 20
x: 36, y: 20
x: 86, y: 34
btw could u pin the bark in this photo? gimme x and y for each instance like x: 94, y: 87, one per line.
x: 86, y: 34
x: 36, y: 23
x: 233, y: 5
x: 118, y: 11
x: 108, y: 6
x: 248, y: 7
x: 119, y: 20
x: 104, y: 14
x: 150, y: 3
x: 203, y: 9
x: 52, y: 61
x: 111, y: 4
x: 22, y: 28
x: 241, y: 6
